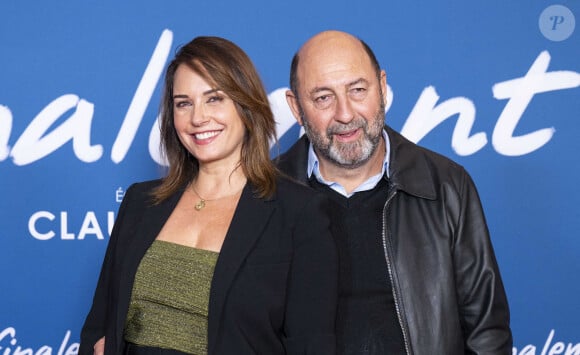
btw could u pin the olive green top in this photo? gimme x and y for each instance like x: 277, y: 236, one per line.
x: 169, y: 302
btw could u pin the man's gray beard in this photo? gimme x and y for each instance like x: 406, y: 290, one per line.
x: 348, y: 155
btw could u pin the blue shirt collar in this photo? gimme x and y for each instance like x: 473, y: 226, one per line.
x: 369, y: 184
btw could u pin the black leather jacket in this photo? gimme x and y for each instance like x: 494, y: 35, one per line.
x: 447, y: 287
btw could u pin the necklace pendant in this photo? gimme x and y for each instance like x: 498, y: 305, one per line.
x: 200, y: 205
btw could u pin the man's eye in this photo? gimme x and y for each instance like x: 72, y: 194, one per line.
x: 358, y: 93
x: 323, y: 98
x: 323, y: 101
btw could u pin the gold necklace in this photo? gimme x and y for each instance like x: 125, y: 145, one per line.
x: 201, y: 203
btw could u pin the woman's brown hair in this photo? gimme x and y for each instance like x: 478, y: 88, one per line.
x: 226, y: 65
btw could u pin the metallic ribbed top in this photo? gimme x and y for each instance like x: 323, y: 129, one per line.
x: 169, y: 302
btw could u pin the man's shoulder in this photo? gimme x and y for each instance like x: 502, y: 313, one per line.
x: 294, y: 161
x: 292, y: 193
x: 407, y: 151
x: 288, y: 185
x: 421, y: 171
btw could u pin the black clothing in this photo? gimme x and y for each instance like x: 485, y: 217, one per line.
x: 274, y: 288
x: 445, y: 279
x: 133, y: 349
x: 365, y: 293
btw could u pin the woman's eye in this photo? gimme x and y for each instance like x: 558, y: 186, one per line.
x: 215, y: 98
x: 181, y: 104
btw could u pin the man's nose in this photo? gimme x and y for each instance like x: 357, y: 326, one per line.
x: 344, y: 110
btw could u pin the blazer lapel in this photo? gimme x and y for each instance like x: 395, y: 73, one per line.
x: 145, y: 231
x: 249, y: 220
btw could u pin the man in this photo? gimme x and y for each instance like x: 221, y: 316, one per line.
x: 418, y: 272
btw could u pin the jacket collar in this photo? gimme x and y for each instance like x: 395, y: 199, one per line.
x: 409, y: 169
x: 248, y: 223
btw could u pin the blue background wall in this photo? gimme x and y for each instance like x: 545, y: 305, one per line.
x: 79, y: 93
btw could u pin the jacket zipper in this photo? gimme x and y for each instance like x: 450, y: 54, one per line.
x: 386, y: 246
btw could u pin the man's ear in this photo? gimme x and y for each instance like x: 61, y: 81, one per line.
x: 294, y: 105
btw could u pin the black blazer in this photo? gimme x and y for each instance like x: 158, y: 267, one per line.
x: 274, y: 289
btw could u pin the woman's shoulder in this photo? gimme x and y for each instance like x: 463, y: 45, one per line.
x: 146, y: 185
x: 142, y: 189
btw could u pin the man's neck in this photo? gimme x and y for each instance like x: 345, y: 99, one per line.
x: 350, y: 179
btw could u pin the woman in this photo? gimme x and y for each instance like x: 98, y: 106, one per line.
x: 223, y: 255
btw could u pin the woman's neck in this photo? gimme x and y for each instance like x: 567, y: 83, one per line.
x: 214, y: 182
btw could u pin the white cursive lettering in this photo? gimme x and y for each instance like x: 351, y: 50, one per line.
x: 426, y: 115
x: 35, y: 143
x: 9, y: 335
x: 520, y: 92
x: 549, y: 348
x: 142, y: 97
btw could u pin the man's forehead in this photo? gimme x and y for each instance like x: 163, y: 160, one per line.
x: 342, y: 69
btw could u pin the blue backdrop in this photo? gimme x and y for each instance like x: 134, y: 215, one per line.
x: 493, y: 85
